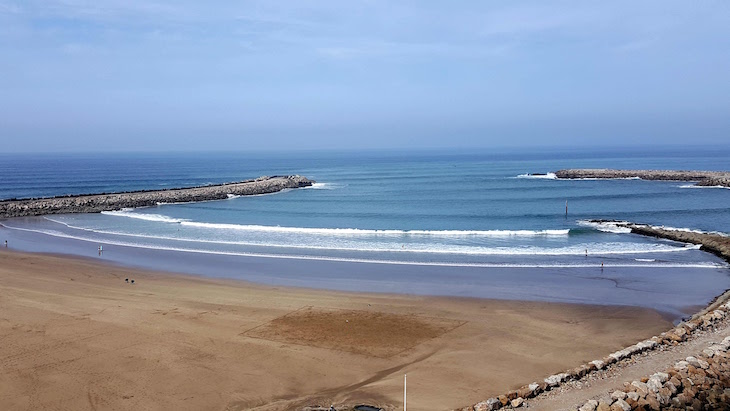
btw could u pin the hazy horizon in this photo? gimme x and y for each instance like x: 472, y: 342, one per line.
x: 84, y: 76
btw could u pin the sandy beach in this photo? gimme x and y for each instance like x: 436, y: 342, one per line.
x: 75, y: 335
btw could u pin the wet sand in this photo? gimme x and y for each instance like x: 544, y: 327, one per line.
x: 75, y: 335
x: 676, y: 291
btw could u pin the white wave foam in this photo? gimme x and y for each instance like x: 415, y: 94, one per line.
x: 139, y: 216
x: 325, y: 186
x: 596, y: 249
x: 600, y: 178
x: 696, y: 186
x: 365, y: 232
x: 548, y: 176
x: 371, y: 261
x: 606, y: 226
x: 614, y: 227
x: 687, y: 230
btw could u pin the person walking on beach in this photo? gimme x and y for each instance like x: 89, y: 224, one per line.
x: 101, y: 249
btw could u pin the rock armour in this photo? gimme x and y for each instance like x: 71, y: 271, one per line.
x: 95, y: 203
x: 704, y: 380
x: 703, y: 178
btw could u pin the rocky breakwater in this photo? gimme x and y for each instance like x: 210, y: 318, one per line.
x: 96, y: 203
x: 703, y: 178
x: 717, y: 244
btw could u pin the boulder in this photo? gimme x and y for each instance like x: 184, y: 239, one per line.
x: 598, y: 363
x: 654, y: 385
x: 620, y: 405
x: 591, y: 405
x: 641, y: 387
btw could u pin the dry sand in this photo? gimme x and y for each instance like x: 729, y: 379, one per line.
x: 75, y: 336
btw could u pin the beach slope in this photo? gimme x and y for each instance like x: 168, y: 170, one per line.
x: 76, y: 335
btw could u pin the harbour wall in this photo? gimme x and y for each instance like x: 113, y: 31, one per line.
x: 96, y: 203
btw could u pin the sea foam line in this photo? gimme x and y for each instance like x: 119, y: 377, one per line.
x: 336, y: 231
x: 325, y: 186
x: 547, y: 176
x: 360, y: 231
x: 373, y: 261
x: 578, y: 250
x: 606, y: 226
x: 696, y: 186
x: 141, y: 216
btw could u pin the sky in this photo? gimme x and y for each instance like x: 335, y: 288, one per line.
x: 137, y: 75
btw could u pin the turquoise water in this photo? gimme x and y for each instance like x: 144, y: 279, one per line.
x: 452, y: 208
x: 466, y: 224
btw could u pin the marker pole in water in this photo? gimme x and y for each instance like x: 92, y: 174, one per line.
x: 405, y: 376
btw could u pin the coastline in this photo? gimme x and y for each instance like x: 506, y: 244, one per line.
x: 95, y: 203
x: 163, y: 335
x: 708, y: 324
x: 676, y: 290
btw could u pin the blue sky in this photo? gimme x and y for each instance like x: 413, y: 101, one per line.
x: 191, y: 75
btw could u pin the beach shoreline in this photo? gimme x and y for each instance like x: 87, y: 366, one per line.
x: 69, y: 318
x: 665, y: 287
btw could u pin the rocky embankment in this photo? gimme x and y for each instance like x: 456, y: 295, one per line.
x: 698, y: 382
x: 695, y: 383
x: 686, y: 385
x: 713, y: 243
x: 95, y: 203
x: 703, y: 178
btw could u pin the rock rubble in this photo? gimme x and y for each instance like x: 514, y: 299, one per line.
x: 711, y: 385
x: 700, y: 382
x: 714, y: 243
x: 696, y: 383
x: 95, y: 203
x: 703, y: 178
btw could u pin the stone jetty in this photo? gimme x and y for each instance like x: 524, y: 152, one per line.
x: 703, y: 178
x: 96, y: 203
x: 714, y: 243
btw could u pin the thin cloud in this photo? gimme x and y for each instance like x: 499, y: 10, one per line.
x: 635, y: 45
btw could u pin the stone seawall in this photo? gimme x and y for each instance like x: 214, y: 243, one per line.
x: 701, y: 382
x: 95, y: 203
x: 703, y: 178
x: 713, y: 243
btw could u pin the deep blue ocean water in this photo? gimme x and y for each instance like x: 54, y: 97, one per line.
x: 444, y: 209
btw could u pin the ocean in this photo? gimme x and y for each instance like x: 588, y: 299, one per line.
x: 409, y: 222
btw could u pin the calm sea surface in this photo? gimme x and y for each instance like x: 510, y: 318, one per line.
x: 478, y: 210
